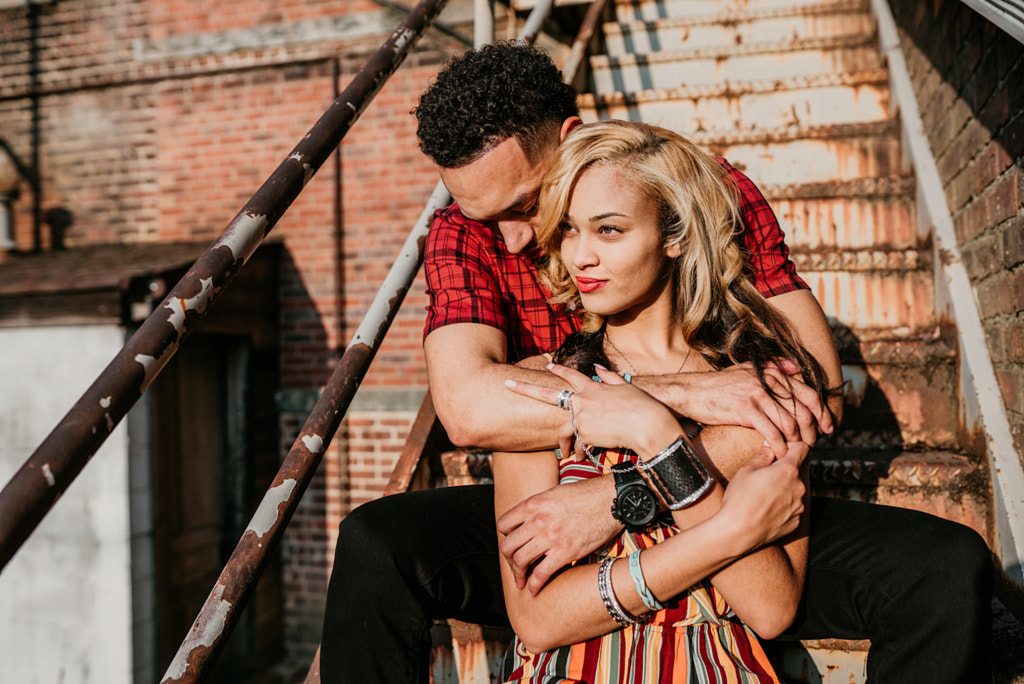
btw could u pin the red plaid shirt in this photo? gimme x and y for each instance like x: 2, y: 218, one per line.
x: 472, y: 278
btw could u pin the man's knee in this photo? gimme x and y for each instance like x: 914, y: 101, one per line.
x: 373, y: 538
x: 966, y: 559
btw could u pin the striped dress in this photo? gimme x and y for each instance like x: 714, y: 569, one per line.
x: 696, y: 639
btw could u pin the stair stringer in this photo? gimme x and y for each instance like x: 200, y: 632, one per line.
x: 982, y: 409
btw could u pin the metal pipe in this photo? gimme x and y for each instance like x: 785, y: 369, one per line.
x: 238, y: 579
x: 483, y: 22
x: 534, y: 22
x: 583, y: 36
x: 28, y: 496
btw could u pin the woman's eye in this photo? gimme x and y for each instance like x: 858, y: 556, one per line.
x: 566, y: 228
x: 607, y: 230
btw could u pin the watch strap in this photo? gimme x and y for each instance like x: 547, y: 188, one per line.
x: 678, y: 474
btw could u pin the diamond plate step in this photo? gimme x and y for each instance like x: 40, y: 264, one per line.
x: 940, y: 483
x: 807, y: 101
x: 741, y: 27
x: 730, y: 63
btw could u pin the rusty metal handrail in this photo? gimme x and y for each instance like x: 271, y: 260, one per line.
x: 47, y: 473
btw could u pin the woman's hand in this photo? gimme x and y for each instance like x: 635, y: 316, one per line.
x: 611, y: 413
x: 765, y: 499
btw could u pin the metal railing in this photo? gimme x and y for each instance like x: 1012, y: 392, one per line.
x: 50, y: 470
x: 30, y: 494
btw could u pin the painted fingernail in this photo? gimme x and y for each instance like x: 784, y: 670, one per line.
x: 597, y: 365
x: 510, y: 383
x: 550, y: 366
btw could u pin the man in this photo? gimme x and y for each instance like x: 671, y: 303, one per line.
x: 916, y: 585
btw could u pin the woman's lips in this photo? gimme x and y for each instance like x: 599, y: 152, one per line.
x: 588, y: 284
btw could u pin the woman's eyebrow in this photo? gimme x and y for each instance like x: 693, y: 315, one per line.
x: 608, y: 214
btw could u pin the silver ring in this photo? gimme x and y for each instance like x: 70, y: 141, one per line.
x: 564, y: 399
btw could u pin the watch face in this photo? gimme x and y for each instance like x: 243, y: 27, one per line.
x: 636, y: 506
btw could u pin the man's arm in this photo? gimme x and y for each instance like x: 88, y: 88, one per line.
x: 539, y: 522
x: 467, y: 369
x: 734, y: 396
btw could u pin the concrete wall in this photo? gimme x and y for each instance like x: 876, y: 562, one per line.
x: 65, y: 597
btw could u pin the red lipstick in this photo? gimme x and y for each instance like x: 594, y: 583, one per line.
x: 586, y: 285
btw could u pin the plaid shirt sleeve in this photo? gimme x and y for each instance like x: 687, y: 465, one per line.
x: 773, y: 271
x: 461, y: 277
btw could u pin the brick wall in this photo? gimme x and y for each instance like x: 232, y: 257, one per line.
x: 158, y: 119
x: 968, y: 75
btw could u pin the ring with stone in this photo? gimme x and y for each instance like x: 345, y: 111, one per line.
x: 564, y: 397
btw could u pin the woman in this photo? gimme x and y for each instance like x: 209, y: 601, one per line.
x: 640, y: 229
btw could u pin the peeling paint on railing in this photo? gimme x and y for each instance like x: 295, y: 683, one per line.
x: 266, y: 515
x: 28, y: 496
x: 206, y: 630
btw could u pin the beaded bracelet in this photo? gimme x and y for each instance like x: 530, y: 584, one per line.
x: 641, y: 584
x: 604, y: 587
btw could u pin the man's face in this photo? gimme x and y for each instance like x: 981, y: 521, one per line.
x: 500, y: 189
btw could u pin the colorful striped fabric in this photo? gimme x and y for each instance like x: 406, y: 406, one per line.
x: 696, y: 639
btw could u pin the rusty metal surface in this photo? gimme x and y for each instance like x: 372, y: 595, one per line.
x: 583, y: 38
x: 424, y: 432
x: 63, y: 454
x: 237, y: 581
x: 93, y: 267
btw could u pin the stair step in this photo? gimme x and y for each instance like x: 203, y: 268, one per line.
x: 835, y: 19
x: 805, y: 101
x: 715, y: 11
x: 940, y: 483
x: 900, y: 389
x: 813, y: 154
x: 849, y: 222
x: 876, y: 299
x: 820, y: 661
x: 728, y: 63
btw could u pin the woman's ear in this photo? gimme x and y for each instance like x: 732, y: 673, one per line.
x: 673, y: 251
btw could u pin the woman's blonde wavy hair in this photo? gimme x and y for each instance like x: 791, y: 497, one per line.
x: 722, y: 315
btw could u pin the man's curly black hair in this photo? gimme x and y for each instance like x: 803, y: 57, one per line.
x: 485, y: 96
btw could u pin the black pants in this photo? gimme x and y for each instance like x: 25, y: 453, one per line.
x: 918, y: 586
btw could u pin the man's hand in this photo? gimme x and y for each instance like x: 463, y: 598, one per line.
x: 734, y: 396
x: 547, y: 531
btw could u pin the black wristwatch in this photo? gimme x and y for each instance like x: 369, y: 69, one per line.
x: 635, y: 504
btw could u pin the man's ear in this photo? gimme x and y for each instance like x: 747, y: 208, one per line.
x: 567, y: 125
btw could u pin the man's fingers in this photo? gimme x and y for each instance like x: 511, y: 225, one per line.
x: 521, y: 561
x: 541, y: 573
x: 508, y: 522
x: 772, y: 435
x: 805, y: 423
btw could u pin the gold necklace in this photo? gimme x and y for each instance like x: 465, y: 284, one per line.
x: 630, y: 364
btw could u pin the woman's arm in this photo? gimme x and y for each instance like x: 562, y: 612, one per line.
x: 765, y: 503
x: 764, y: 587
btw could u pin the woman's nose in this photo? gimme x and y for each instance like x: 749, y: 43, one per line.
x: 583, y: 252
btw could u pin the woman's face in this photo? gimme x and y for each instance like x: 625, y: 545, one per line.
x: 612, y: 246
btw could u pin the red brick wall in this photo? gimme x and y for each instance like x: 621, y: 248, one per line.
x: 148, y: 146
x: 968, y: 75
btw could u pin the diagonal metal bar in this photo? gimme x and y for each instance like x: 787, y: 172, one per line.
x: 237, y: 581
x: 47, y: 473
